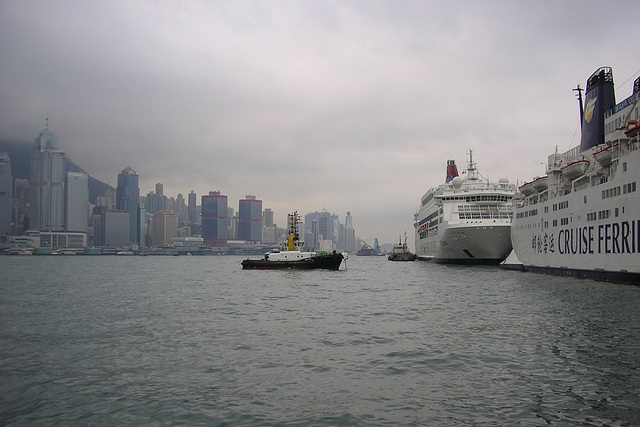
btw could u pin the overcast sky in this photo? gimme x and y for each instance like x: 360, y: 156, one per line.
x: 344, y: 105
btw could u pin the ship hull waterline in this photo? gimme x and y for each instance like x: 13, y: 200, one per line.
x: 483, y: 245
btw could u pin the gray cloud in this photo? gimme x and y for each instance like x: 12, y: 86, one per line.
x: 351, y: 105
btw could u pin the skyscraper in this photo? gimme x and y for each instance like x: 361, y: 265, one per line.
x: 192, y: 208
x: 214, y: 219
x: 322, y: 227
x: 250, y: 219
x: 47, y: 182
x: 77, y: 201
x: 6, y: 197
x: 267, y: 217
x: 127, y: 199
x: 164, y: 227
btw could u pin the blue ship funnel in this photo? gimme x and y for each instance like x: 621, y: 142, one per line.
x: 599, y: 98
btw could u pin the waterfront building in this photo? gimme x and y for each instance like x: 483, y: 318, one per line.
x: 116, y: 228
x: 77, y: 201
x: 127, y: 199
x: 164, y: 227
x: 214, y: 219
x: 192, y: 208
x: 62, y: 240
x: 20, y: 206
x: 155, y: 202
x: 47, y: 184
x: 6, y: 194
x: 181, y: 209
x: 250, y: 219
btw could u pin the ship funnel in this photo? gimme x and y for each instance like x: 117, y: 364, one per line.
x: 452, y: 170
x: 598, y: 99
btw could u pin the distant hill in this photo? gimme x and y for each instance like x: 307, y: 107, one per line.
x: 20, y: 155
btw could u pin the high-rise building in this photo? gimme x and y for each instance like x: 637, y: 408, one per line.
x: 127, y: 199
x: 156, y: 202
x: 116, y: 228
x: 267, y: 217
x: 214, y: 219
x: 250, y: 219
x: 269, y: 229
x: 164, y: 227
x: 20, y: 209
x: 192, y: 207
x: 181, y: 209
x: 6, y: 193
x: 349, y: 244
x: 77, y: 200
x: 323, y: 227
x: 159, y: 189
x: 47, y: 182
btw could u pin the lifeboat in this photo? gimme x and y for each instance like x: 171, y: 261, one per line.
x: 527, y: 189
x: 575, y: 169
x: 603, y: 156
x: 540, y: 184
x: 633, y: 129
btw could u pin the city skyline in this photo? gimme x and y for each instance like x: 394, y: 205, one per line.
x: 352, y: 105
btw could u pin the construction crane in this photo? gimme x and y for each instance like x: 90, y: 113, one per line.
x: 368, y: 250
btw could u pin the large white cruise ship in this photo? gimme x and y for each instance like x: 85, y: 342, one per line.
x: 465, y: 220
x: 583, y: 217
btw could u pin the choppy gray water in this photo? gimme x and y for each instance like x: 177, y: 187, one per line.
x: 196, y: 340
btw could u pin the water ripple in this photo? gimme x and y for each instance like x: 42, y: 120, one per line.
x: 198, y: 341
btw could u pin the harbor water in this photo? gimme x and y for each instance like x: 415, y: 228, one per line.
x: 160, y: 340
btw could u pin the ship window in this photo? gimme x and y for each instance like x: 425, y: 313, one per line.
x: 616, y: 212
x: 585, y: 199
x: 624, y: 167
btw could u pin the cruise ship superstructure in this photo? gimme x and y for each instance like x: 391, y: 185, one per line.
x: 466, y: 220
x: 582, y: 218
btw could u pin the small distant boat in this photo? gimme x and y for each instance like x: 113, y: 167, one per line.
x: 401, y: 251
x: 124, y: 253
x: 293, y: 256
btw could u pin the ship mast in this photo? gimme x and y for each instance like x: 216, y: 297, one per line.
x: 472, y: 172
x: 579, y: 95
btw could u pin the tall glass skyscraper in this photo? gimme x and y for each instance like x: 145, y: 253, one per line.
x: 6, y: 197
x: 250, y: 219
x: 214, y: 219
x: 192, y: 208
x: 127, y: 199
x: 47, y: 184
x: 77, y: 201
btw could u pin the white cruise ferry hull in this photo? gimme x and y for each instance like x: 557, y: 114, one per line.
x: 593, y: 237
x: 586, y: 223
x: 468, y: 245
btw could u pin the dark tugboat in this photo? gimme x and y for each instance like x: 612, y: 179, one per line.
x: 401, y: 251
x: 292, y: 255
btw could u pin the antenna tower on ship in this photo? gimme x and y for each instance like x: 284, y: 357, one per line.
x: 579, y: 95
